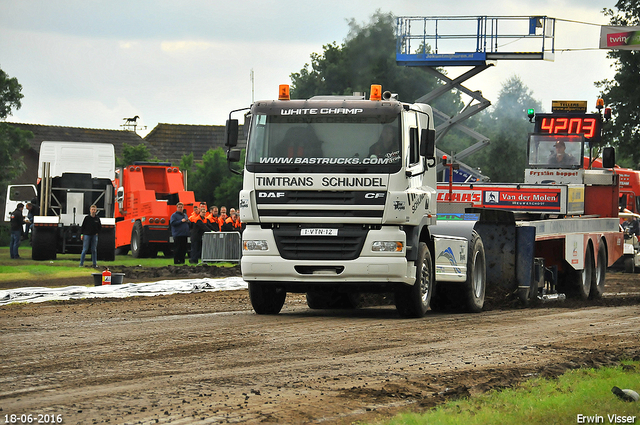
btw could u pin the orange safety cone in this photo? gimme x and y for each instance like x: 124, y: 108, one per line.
x: 106, y: 277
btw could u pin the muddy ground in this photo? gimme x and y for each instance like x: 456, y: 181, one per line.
x: 207, y: 358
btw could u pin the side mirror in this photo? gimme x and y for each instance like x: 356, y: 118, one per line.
x: 428, y: 143
x: 608, y: 157
x: 120, y: 195
x: 233, y: 155
x: 231, y: 133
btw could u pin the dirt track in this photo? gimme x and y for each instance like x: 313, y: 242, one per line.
x: 207, y: 358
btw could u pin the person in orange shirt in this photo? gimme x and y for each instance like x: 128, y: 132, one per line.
x: 232, y: 223
x: 223, y: 216
x: 212, y: 222
x: 195, y: 214
x: 213, y: 213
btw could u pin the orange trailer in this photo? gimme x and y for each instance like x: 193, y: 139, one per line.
x: 146, y: 196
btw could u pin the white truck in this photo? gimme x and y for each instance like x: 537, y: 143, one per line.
x: 339, y: 198
x: 71, y: 177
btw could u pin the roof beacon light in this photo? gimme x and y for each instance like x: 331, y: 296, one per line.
x: 283, y: 91
x: 599, y: 104
x: 531, y: 113
x: 376, y: 92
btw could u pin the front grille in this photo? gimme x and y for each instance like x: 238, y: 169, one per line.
x: 292, y: 203
x: 347, y: 245
x: 319, y: 213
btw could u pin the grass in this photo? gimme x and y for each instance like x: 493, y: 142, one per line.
x: 542, y: 401
x: 65, y: 266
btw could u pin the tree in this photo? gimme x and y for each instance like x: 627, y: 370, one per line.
x: 12, y: 139
x: 367, y: 57
x: 622, y: 93
x: 507, y: 126
x: 131, y: 154
x: 186, y: 162
x: 212, y: 181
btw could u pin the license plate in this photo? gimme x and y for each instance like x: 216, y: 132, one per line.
x: 318, y: 232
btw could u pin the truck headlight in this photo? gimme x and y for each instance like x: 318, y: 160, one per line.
x: 255, y: 245
x: 387, y: 246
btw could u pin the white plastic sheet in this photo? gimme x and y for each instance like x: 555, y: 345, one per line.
x: 163, y: 287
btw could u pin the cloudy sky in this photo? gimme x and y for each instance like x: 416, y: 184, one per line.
x: 91, y: 63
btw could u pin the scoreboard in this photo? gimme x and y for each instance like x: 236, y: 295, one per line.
x: 590, y: 125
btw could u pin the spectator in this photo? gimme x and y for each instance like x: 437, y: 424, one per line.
x: 631, y: 226
x: 90, y: 230
x: 222, y: 217
x: 179, y: 223
x: 17, y: 221
x: 29, y: 220
x: 198, y: 228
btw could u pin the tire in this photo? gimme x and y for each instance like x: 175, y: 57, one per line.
x: 414, y: 300
x: 266, y: 299
x: 122, y: 250
x: 629, y: 265
x: 138, y: 248
x: 44, y: 242
x: 579, y: 284
x: 107, y: 245
x: 599, y: 274
x: 474, y: 289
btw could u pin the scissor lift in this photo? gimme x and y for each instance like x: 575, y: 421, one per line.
x: 472, y: 41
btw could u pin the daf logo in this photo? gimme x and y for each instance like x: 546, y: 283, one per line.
x: 271, y: 195
x: 374, y: 195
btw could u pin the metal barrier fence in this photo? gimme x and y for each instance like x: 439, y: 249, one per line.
x: 221, y: 246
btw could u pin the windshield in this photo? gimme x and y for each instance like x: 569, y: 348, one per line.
x: 315, y: 143
x: 555, y: 151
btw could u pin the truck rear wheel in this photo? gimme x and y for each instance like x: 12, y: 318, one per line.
x: 476, y: 285
x: 44, y: 243
x: 107, y: 245
x: 598, y: 278
x: 413, y: 301
x: 579, y: 281
x: 138, y: 248
x: 266, y: 299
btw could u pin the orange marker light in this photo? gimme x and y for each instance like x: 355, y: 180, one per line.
x: 376, y: 92
x: 284, y: 92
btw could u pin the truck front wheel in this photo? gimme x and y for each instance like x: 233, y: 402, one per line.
x: 266, y: 299
x: 413, y: 301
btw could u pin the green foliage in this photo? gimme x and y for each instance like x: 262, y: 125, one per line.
x: 131, y: 154
x: 540, y: 401
x: 10, y: 94
x: 186, y: 162
x: 12, y: 139
x: 213, y: 183
x: 508, y: 127
x: 622, y: 93
x: 366, y: 57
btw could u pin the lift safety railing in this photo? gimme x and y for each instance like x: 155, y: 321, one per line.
x: 472, y: 40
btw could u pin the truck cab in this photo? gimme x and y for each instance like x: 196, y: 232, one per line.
x: 338, y: 198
